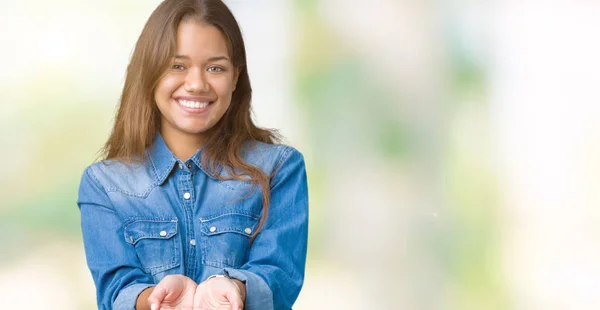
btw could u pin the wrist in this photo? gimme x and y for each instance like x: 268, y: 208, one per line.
x: 142, y: 299
x: 239, y: 285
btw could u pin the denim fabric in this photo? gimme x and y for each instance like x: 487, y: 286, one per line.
x: 144, y: 221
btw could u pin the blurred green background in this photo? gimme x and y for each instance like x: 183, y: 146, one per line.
x: 452, y: 147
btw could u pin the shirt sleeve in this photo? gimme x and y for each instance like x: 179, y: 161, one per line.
x: 113, y: 263
x: 274, y: 273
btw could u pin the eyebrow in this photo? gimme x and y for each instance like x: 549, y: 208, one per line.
x: 211, y: 59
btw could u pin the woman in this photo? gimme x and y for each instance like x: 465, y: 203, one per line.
x: 193, y: 205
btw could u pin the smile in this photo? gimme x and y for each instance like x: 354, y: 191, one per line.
x: 193, y: 104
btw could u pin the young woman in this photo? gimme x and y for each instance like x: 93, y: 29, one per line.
x: 193, y: 206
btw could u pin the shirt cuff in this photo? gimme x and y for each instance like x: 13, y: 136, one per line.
x: 258, y: 293
x: 128, y: 296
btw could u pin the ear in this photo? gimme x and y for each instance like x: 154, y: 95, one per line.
x: 236, y: 75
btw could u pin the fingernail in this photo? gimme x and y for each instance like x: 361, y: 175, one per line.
x: 153, y: 306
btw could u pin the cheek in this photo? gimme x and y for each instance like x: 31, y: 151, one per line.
x: 165, y: 88
x: 224, y: 87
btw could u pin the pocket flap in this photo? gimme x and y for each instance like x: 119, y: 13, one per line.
x: 240, y: 223
x: 150, y: 229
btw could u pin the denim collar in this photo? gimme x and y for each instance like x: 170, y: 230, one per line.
x: 162, y: 160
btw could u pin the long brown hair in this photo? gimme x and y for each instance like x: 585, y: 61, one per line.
x: 138, y: 118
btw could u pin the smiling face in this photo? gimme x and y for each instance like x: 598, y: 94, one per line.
x: 195, y: 92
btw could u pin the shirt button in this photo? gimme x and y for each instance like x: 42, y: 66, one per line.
x: 248, y: 230
x: 180, y: 166
x: 187, y: 196
x: 163, y: 233
x: 193, y: 242
x: 213, y: 229
x: 189, y: 165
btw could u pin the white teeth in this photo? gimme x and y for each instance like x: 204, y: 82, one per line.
x: 193, y: 104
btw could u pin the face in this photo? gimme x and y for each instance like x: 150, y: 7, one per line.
x: 196, y: 90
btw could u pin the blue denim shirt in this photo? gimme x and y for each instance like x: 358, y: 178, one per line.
x: 141, y: 222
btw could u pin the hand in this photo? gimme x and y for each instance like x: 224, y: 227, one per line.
x: 173, y: 292
x: 218, y: 294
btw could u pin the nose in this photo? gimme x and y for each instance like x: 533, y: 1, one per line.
x: 196, y: 82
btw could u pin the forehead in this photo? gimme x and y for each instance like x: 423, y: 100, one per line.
x: 199, y: 40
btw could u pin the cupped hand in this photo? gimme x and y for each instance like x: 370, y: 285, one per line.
x: 173, y: 292
x: 218, y: 294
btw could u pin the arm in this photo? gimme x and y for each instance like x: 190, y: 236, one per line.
x: 113, y: 263
x: 274, y: 273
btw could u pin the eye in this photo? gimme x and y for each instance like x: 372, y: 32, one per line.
x: 215, y: 69
x: 178, y: 67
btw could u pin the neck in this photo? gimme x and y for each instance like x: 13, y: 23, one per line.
x: 183, y: 146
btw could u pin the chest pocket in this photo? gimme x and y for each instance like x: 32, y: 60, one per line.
x: 155, y: 242
x: 226, y: 241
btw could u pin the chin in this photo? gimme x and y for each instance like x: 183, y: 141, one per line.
x: 194, y: 131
